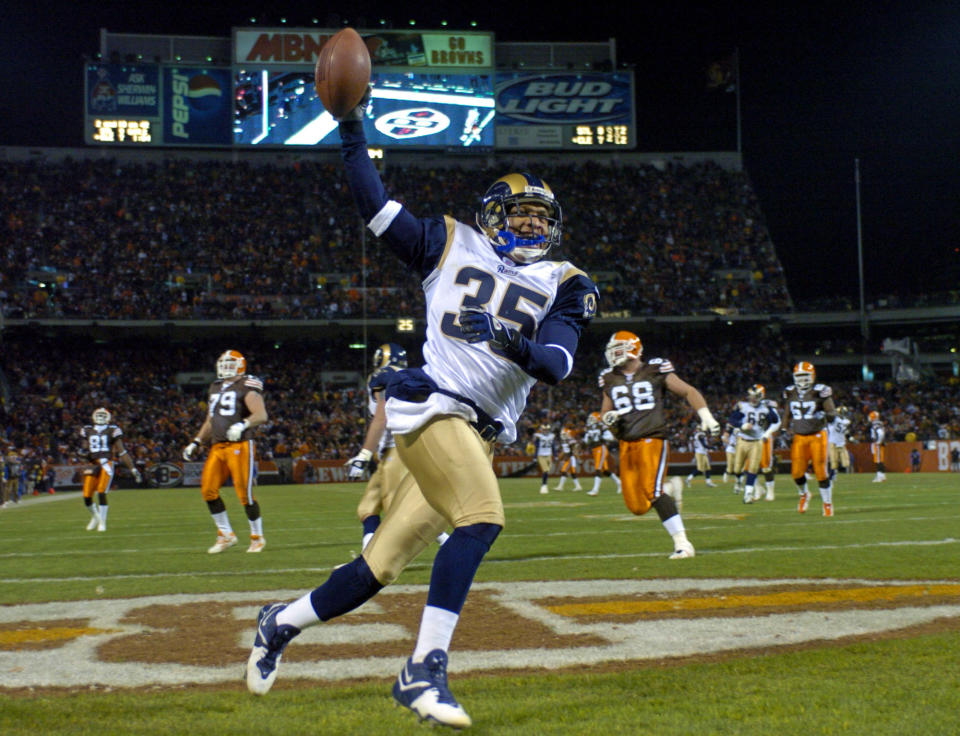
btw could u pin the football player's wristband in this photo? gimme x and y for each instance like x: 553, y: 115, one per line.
x: 197, y: 441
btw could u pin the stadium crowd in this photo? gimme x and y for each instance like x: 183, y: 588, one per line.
x: 52, y: 388
x: 206, y: 240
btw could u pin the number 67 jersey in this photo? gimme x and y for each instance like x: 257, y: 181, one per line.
x: 639, y: 398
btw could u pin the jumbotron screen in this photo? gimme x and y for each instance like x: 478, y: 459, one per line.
x: 273, y: 108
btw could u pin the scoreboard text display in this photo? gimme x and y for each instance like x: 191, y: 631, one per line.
x: 565, y: 111
x: 122, y: 103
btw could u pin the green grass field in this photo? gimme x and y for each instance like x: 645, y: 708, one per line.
x: 896, y: 681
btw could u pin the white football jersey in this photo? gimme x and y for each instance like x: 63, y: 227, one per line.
x: 544, y: 442
x: 758, y: 417
x: 837, y: 431
x: 469, y: 274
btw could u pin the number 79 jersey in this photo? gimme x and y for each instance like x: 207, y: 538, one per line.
x: 639, y: 396
x: 228, y: 404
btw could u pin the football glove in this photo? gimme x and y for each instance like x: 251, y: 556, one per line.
x: 190, y: 450
x: 358, y: 464
x: 356, y: 114
x: 479, y: 326
x: 707, y: 423
x: 611, y: 418
x: 235, y: 431
x: 137, y: 475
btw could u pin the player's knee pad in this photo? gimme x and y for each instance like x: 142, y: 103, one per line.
x: 216, y: 505
x: 253, y: 511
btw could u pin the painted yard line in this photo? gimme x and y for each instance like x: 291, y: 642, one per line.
x: 488, y: 560
x: 767, y: 600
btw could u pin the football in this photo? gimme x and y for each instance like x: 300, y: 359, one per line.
x: 342, y: 73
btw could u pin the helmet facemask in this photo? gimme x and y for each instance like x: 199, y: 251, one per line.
x: 622, y: 347
x: 517, y: 197
x: 755, y: 394
x: 101, y: 417
x: 231, y: 364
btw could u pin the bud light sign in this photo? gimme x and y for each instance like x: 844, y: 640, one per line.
x: 567, y: 99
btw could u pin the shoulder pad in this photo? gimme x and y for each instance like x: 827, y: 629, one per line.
x: 115, y: 431
x: 824, y: 390
x: 253, y: 382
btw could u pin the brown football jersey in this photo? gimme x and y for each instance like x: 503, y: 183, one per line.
x: 807, y: 415
x: 98, y: 440
x: 228, y: 405
x: 640, y: 397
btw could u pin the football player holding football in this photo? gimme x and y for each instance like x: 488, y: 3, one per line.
x: 808, y: 407
x: 391, y: 474
x: 234, y: 409
x: 101, y: 442
x: 633, y: 408
x: 500, y: 317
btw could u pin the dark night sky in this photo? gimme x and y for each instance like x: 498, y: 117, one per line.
x: 821, y: 84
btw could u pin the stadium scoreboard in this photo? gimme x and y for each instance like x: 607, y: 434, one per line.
x: 430, y: 90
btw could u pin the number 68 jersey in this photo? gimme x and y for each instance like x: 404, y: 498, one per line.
x: 228, y: 405
x: 639, y: 398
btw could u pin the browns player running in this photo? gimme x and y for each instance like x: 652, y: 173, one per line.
x: 807, y: 409
x: 235, y: 408
x: 633, y: 409
x: 101, y: 443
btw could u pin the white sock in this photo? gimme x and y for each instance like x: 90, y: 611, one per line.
x: 616, y: 480
x: 103, y: 513
x: 366, y: 540
x: 436, y: 630
x: 596, y: 484
x: 256, y: 528
x: 576, y: 484
x: 94, y: 510
x: 223, y: 523
x: 770, y: 486
x: 826, y: 494
x: 563, y: 480
x: 442, y: 537
x: 674, y: 525
x: 300, y: 613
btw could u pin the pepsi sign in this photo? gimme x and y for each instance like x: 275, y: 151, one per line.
x: 198, y: 106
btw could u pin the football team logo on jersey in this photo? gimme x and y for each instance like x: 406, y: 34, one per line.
x: 414, y: 122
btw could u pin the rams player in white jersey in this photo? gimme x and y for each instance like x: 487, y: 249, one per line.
x: 543, y: 446
x: 499, y: 318
x: 756, y: 420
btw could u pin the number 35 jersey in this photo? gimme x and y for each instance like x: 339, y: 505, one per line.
x: 228, y: 405
x: 640, y: 397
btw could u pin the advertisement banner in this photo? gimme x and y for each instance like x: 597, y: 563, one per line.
x: 565, y: 110
x: 301, y: 47
x: 127, y: 90
x: 197, y: 106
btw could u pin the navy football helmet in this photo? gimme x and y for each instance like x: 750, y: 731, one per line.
x: 505, y: 199
x: 390, y: 354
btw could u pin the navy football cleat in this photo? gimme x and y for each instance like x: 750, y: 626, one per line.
x: 268, y: 645
x: 422, y: 687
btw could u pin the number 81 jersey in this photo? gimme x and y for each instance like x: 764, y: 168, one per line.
x: 639, y: 396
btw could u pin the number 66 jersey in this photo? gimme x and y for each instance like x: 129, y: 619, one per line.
x: 639, y: 398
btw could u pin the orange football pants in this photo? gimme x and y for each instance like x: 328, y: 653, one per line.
x: 601, y: 459
x: 809, y: 448
x: 878, y: 452
x: 643, y: 468
x: 229, y: 460
x: 99, y: 479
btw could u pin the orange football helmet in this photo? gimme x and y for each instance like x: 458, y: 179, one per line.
x: 804, y: 374
x: 623, y: 346
x: 230, y: 364
x: 593, y: 419
x: 101, y: 417
x: 874, y: 416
